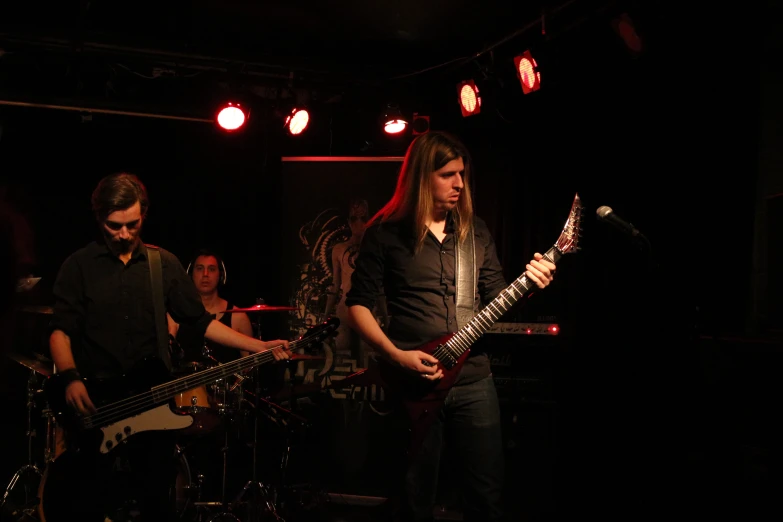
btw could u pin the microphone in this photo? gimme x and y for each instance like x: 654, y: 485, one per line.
x: 607, y: 214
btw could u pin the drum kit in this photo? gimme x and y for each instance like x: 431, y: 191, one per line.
x: 229, y: 414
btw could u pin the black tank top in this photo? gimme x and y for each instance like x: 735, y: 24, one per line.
x: 192, y: 344
x: 220, y: 352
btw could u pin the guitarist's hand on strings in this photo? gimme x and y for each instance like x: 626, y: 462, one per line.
x: 77, y: 398
x: 540, y: 271
x: 412, y: 360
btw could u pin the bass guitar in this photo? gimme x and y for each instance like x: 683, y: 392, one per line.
x: 141, y: 400
x: 423, y: 399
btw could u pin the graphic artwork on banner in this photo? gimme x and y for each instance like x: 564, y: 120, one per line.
x: 332, y: 209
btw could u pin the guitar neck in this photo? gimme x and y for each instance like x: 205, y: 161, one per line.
x: 171, y: 389
x: 461, y: 341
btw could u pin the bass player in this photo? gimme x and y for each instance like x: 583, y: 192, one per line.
x: 105, y: 323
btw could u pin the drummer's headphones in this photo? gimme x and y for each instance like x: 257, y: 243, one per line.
x: 221, y: 265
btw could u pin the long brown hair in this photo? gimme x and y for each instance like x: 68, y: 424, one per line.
x: 413, y: 196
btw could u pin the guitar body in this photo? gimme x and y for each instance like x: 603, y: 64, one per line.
x: 93, y: 451
x: 422, y: 399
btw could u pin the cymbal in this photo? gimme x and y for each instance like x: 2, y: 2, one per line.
x: 37, y: 365
x: 25, y: 284
x: 34, y: 309
x: 304, y: 357
x: 259, y: 308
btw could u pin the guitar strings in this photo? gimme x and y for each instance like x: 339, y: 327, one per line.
x: 138, y: 403
x: 457, y: 345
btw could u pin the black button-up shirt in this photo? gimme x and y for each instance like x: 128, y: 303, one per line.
x: 420, y: 286
x: 106, y: 307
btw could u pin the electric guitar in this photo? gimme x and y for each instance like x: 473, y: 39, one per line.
x: 141, y: 400
x: 423, y: 399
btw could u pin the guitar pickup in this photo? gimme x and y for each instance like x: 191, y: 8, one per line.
x: 448, y: 361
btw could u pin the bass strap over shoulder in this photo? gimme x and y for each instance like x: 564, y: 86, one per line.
x: 156, y: 278
x: 465, y: 268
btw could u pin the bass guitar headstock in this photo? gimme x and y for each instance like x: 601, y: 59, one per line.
x: 320, y: 332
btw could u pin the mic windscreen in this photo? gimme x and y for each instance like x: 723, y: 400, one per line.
x: 603, y: 211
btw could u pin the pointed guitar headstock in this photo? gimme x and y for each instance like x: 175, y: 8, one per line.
x: 568, y: 242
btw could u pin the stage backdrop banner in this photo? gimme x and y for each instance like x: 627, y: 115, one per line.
x: 319, y: 192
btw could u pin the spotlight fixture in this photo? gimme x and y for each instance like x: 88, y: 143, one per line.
x: 297, y: 120
x: 626, y: 29
x: 527, y: 72
x: 393, y: 120
x: 420, y: 124
x: 468, y: 98
x: 231, y: 116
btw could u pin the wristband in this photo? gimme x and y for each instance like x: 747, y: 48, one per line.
x: 68, y: 376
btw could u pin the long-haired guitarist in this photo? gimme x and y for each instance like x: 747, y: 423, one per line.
x: 409, y: 254
x: 103, y: 325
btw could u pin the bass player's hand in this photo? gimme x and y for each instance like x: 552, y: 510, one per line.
x: 278, y: 347
x: 411, y: 360
x: 77, y: 398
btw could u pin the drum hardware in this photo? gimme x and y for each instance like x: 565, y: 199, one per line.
x: 21, y: 496
x: 290, y: 421
x: 254, y: 486
x: 262, y: 500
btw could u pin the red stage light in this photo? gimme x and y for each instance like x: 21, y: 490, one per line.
x: 297, y: 121
x: 231, y: 117
x: 468, y: 98
x: 527, y: 72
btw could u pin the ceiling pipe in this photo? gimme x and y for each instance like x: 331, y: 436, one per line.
x: 98, y: 110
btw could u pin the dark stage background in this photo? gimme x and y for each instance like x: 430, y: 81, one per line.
x: 656, y: 392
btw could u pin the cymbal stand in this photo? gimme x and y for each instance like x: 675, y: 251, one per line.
x: 288, y: 421
x: 30, y: 467
x: 255, y: 486
x: 288, y: 425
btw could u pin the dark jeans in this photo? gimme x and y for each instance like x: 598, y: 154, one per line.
x: 469, y: 427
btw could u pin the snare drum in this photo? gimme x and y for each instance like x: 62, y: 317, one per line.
x: 193, y: 401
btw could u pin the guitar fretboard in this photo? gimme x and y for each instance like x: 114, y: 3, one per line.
x: 483, y: 321
x: 167, y: 391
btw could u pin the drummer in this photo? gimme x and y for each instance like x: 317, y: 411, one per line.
x: 208, y: 272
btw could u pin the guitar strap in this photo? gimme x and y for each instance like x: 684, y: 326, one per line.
x: 465, y: 279
x: 156, y: 278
